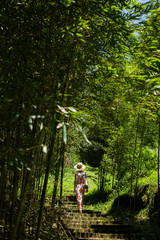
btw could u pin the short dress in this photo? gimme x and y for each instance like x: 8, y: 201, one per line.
x: 79, y: 187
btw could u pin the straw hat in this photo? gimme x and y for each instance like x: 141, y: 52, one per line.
x: 79, y: 166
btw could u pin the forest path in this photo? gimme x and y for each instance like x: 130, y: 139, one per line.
x: 95, y: 225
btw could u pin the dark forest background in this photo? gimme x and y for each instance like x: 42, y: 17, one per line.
x: 79, y: 81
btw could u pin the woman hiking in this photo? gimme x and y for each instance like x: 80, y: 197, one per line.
x: 80, y: 185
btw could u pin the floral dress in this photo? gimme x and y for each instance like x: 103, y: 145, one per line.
x: 79, y: 188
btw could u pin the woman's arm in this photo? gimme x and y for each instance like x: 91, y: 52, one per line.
x: 75, y: 184
x: 86, y: 183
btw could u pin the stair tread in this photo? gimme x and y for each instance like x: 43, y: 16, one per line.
x: 99, y: 238
x: 95, y: 225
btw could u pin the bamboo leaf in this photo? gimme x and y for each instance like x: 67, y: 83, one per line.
x: 64, y: 133
x: 62, y: 109
x: 41, y: 126
x: 60, y: 125
x: 84, y: 135
x: 134, y: 69
x: 72, y: 109
x: 44, y: 149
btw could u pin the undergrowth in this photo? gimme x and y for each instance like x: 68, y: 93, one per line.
x: 105, y: 203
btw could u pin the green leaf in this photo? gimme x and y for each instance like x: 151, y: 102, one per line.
x: 84, y: 135
x: 157, y: 87
x: 60, y: 125
x: 62, y: 110
x: 72, y: 109
x: 134, y: 69
x: 64, y: 133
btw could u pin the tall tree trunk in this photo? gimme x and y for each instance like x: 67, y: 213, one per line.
x: 58, y: 163
x: 102, y: 182
x: 113, y: 173
x: 2, y: 187
x: 158, y: 167
x: 133, y: 162
x: 62, y: 170
x: 16, y: 175
x: 49, y: 157
x: 14, y: 194
x: 22, y: 204
x: 118, y: 177
x: 139, y: 164
x: 26, y: 185
x: 3, y: 158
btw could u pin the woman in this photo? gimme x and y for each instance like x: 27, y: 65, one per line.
x: 80, y: 185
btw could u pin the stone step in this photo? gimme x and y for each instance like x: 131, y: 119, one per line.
x: 73, y: 204
x: 95, y: 225
x: 91, y: 235
x: 131, y: 237
x: 85, y: 213
x: 69, y: 198
x: 101, y: 228
x: 68, y: 217
x: 70, y: 208
x: 83, y: 216
x: 90, y: 238
x: 114, y: 228
x: 91, y: 221
x: 98, y: 238
x: 91, y: 212
x: 85, y: 222
x: 99, y: 220
x: 88, y: 235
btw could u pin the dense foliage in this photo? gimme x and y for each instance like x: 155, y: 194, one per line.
x: 77, y: 78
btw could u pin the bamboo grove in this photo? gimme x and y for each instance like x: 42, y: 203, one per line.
x: 75, y: 75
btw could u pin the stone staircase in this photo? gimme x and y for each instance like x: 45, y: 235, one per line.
x: 95, y: 226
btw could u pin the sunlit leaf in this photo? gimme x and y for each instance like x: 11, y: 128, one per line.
x: 62, y: 109
x: 41, y: 126
x: 84, y: 135
x: 44, y: 149
x: 72, y: 109
x: 29, y: 169
x: 65, y: 133
x: 60, y: 125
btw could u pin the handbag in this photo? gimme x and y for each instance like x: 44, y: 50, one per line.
x: 86, y: 185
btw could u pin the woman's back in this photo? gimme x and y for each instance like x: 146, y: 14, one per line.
x: 80, y: 184
x: 80, y: 177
